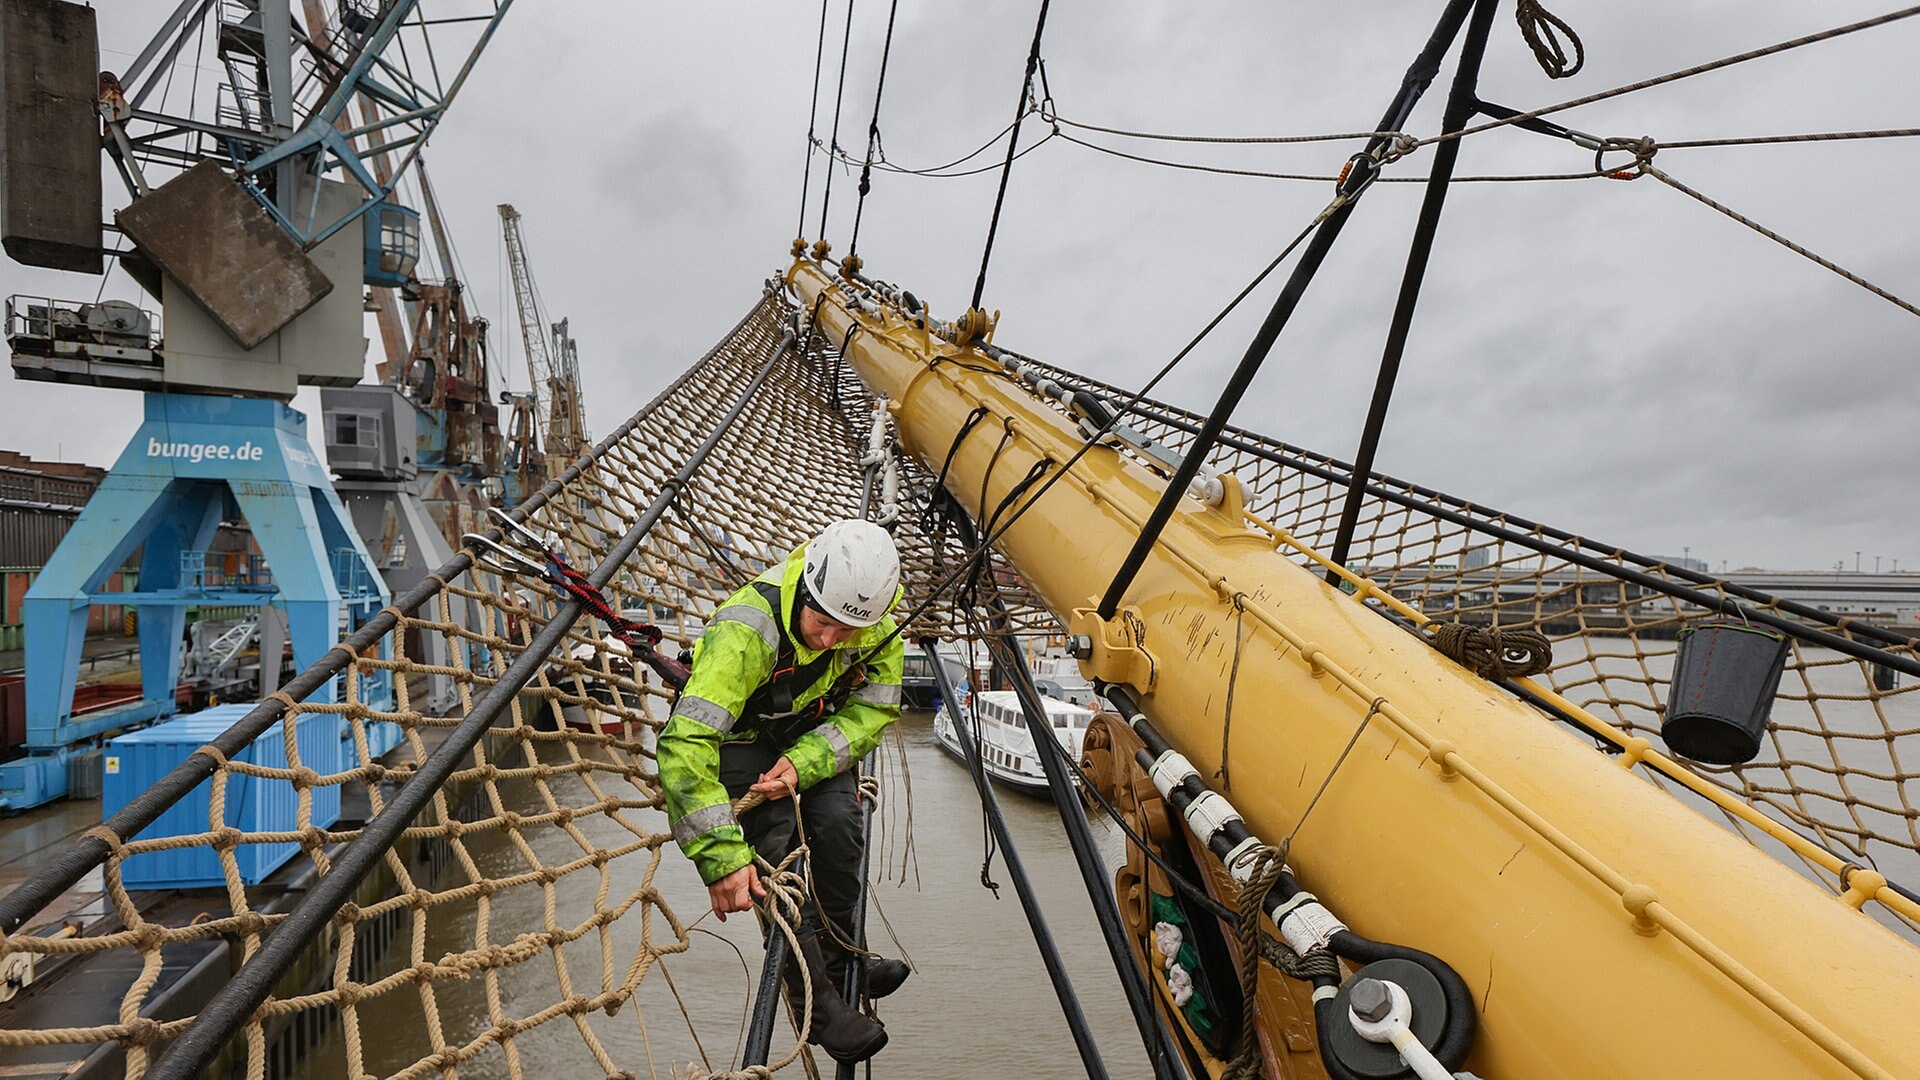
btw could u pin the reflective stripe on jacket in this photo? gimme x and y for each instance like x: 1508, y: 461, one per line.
x: 734, y: 658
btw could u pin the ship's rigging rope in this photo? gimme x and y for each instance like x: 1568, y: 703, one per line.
x: 600, y: 490
x: 833, y: 141
x: 1684, y: 73
x: 1013, y: 141
x: 1324, y: 178
x: 813, y: 112
x: 1654, y: 171
x: 938, y: 172
x: 1542, y: 31
x: 852, y: 261
x: 1355, y: 136
x: 1405, y: 554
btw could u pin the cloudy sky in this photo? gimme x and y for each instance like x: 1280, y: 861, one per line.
x: 1611, y: 357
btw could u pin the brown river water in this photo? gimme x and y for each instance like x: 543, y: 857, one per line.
x: 979, y: 1003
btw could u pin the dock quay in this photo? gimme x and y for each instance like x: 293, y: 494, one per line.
x: 1564, y: 599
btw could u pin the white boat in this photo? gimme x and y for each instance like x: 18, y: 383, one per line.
x: 1007, y: 749
x: 1058, y: 675
x: 918, y: 688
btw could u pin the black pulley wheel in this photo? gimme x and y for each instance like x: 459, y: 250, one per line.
x: 1380, y: 1061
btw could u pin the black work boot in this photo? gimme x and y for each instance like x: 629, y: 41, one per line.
x: 845, y: 1033
x: 884, y: 975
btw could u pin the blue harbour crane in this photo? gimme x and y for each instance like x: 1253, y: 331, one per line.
x: 257, y: 218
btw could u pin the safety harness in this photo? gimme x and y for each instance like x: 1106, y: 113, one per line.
x: 772, y: 704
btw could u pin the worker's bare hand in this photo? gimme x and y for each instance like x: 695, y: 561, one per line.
x: 779, y: 781
x: 736, y: 892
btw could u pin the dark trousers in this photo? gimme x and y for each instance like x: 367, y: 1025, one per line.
x: 830, y: 811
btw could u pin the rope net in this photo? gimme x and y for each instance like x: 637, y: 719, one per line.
x: 519, y: 917
x: 533, y: 871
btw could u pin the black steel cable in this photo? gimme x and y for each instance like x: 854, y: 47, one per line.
x: 1086, y: 852
x: 979, y: 551
x: 1006, y: 169
x: 1461, y: 105
x: 1364, y: 167
x: 1083, y: 1039
x: 1685, y: 73
x: 813, y: 112
x: 873, y: 131
x: 833, y: 141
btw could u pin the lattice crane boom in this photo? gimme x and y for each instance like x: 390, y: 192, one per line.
x: 553, y: 374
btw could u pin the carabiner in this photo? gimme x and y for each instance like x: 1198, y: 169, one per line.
x: 501, y: 559
x: 512, y: 530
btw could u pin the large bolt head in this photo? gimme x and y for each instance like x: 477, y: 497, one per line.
x: 1370, y: 1000
x: 1080, y: 646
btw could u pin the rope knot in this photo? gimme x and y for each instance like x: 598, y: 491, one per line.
x: 144, y: 1031
x: 1542, y: 30
x: 1492, y: 653
x: 106, y: 836
x: 1642, y: 149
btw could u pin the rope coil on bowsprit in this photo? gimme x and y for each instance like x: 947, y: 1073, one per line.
x: 1264, y: 867
x: 1543, y: 30
x: 1492, y: 653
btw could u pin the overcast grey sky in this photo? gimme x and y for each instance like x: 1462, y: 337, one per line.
x: 1610, y: 357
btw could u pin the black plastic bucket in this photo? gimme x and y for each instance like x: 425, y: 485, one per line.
x: 1724, y: 680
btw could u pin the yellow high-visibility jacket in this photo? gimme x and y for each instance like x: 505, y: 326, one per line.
x: 734, y: 666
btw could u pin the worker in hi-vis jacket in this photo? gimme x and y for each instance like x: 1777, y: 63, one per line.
x: 787, y: 693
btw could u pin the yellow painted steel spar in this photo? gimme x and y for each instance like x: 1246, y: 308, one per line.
x: 1606, y: 929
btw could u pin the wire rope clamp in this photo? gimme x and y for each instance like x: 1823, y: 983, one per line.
x: 1114, y: 649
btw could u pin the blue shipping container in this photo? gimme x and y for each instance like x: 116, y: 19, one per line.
x: 137, y: 760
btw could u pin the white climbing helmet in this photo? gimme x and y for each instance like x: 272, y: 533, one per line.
x: 852, y: 572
